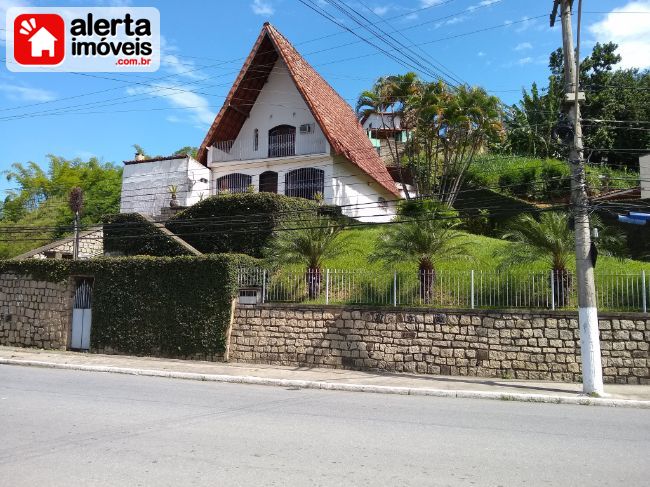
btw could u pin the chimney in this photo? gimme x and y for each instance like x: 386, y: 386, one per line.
x: 644, y: 170
x: 139, y: 156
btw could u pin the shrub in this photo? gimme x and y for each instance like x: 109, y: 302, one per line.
x: 164, y: 306
x: 423, y: 208
x: 131, y: 234
x: 240, y: 223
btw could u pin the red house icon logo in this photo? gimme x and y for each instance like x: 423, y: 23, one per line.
x: 39, y: 39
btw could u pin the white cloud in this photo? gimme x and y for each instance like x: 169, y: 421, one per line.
x: 523, y: 46
x: 24, y: 93
x: 631, y: 32
x: 524, y: 60
x: 381, y: 10
x: 178, y: 96
x: 262, y: 7
x: 455, y: 20
x: 484, y: 3
x: 480, y: 54
x: 429, y: 3
x: 526, y: 24
x: 4, y: 6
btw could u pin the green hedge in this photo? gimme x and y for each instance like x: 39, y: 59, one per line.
x: 130, y: 234
x: 241, y: 223
x: 163, y: 306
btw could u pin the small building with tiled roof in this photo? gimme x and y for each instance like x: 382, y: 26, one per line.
x: 283, y: 129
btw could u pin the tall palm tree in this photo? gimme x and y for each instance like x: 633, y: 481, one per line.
x: 549, y: 238
x: 389, y: 96
x: 426, y: 242
x: 307, y: 241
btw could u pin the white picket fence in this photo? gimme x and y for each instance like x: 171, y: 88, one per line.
x: 446, y: 289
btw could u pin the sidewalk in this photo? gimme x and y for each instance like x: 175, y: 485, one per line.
x: 331, y: 379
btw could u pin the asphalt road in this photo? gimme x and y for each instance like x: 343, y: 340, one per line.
x: 67, y: 428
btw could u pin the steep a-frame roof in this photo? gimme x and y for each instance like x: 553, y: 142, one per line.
x: 334, y: 116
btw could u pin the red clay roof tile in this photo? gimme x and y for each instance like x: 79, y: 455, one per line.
x: 335, y: 117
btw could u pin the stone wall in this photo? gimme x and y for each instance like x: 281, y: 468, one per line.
x: 34, y: 313
x: 522, y: 345
x: 91, y: 244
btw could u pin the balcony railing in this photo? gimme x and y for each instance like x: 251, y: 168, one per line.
x: 273, y: 146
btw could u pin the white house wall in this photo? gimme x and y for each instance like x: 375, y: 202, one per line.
x: 351, y: 186
x: 279, y: 103
x: 644, y: 164
x: 199, y: 178
x: 145, y: 184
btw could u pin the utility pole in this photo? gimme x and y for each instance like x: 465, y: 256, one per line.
x: 592, y: 375
x: 76, y: 201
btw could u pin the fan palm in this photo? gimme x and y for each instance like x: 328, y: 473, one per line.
x: 549, y: 238
x: 307, y: 241
x: 425, y: 242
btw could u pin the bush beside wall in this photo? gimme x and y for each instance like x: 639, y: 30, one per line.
x: 170, y: 306
x: 240, y: 223
x: 131, y: 234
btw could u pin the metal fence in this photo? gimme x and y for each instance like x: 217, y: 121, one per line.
x: 268, y: 147
x: 446, y: 289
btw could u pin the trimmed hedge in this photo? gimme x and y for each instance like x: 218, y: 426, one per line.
x: 240, y: 223
x: 131, y: 234
x: 162, y: 306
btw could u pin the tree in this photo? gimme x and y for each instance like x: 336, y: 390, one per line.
x: 424, y: 241
x: 447, y: 128
x: 621, y: 95
x: 387, y: 99
x: 549, y: 238
x: 307, y: 241
x: 40, y: 199
x: 190, y: 150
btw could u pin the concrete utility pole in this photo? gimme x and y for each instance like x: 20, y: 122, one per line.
x: 592, y: 375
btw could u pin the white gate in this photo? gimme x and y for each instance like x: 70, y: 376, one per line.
x: 81, y: 316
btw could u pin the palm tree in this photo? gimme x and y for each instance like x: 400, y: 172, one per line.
x: 426, y: 242
x: 307, y: 241
x: 389, y: 95
x: 549, y: 238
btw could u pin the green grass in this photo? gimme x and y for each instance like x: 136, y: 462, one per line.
x: 358, y: 244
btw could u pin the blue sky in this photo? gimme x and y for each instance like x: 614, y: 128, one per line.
x: 200, y: 37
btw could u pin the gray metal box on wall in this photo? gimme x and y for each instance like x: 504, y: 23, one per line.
x: 644, y: 165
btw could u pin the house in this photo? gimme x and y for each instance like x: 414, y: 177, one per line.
x: 385, y: 131
x: 42, y: 41
x: 282, y: 129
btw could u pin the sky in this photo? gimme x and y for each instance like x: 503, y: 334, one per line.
x: 501, y: 45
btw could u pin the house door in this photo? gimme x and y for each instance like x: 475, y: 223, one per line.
x: 81, y: 316
x: 282, y: 141
x: 269, y: 182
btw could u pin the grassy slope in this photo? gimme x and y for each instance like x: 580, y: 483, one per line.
x: 360, y: 242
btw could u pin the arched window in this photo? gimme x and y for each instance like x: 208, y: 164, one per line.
x: 282, y: 141
x: 256, y: 140
x: 304, y: 183
x: 233, y: 183
x: 269, y: 182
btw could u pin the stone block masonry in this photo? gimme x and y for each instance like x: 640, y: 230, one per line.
x: 34, y: 313
x: 519, y: 345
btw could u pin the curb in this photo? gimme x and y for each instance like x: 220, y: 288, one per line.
x: 329, y: 386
